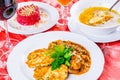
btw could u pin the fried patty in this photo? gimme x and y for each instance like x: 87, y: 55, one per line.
x: 39, y: 58
x: 46, y: 73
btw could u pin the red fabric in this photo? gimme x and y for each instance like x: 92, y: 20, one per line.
x: 111, y: 51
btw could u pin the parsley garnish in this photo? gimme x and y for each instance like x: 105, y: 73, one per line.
x: 61, y: 56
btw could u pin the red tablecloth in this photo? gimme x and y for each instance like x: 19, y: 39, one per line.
x: 110, y: 50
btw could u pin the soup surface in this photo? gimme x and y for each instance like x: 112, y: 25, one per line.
x: 99, y: 16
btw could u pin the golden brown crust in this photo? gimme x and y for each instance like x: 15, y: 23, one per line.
x: 38, y: 58
x: 45, y: 73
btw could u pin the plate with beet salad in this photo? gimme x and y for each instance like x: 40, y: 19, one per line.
x: 33, y: 17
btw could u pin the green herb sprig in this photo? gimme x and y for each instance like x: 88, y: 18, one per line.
x: 61, y: 56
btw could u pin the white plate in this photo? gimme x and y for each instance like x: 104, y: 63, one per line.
x: 18, y: 69
x: 105, y: 3
x: 45, y: 24
x: 96, y: 38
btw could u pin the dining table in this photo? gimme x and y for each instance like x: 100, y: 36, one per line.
x: 111, y: 50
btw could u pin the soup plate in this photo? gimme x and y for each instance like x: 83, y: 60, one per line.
x: 81, y: 5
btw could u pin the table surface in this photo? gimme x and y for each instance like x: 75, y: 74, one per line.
x: 110, y: 50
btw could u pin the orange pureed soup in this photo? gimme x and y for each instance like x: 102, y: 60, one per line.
x: 98, y: 15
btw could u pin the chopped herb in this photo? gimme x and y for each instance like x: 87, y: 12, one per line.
x: 67, y: 63
x: 61, y: 55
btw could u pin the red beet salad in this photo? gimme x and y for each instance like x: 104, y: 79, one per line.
x: 28, y: 15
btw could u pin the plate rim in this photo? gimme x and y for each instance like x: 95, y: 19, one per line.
x: 47, y: 26
x: 34, y: 37
x: 96, y: 38
x: 99, y: 3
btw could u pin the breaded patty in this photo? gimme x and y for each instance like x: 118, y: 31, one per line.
x: 39, y: 58
x: 45, y: 73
